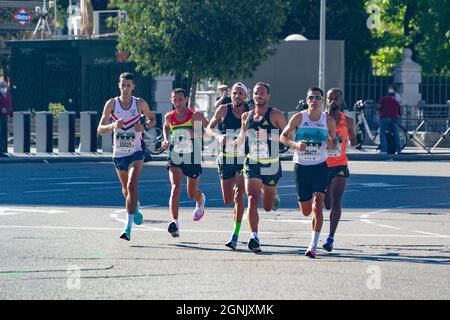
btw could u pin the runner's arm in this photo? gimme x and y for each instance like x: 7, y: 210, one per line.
x: 286, y: 135
x: 241, y: 138
x: 166, y: 131
x: 105, y: 126
x: 145, y: 110
x: 216, y: 119
x: 351, y: 131
x: 332, y: 141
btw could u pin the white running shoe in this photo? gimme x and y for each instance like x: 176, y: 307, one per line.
x: 199, y: 211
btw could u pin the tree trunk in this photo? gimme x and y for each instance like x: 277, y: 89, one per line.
x: 193, y: 91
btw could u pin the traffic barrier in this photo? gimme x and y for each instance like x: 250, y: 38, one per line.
x: 66, y: 132
x: 44, y: 131
x: 22, y: 132
x: 88, y: 131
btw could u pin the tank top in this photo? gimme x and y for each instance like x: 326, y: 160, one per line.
x: 262, y: 151
x: 315, y: 134
x: 338, y: 157
x: 182, y: 142
x: 231, y: 126
x: 126, y: 140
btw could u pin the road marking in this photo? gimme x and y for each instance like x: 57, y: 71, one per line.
x: 412, y: 188
x: 74, y: 183
x: 60, y: 178
x: 47, y: 191
x: 299, y: 221
x: 308, y: 233
x: 376, y: 185
x: 428, y: 233
x: 11, y: 211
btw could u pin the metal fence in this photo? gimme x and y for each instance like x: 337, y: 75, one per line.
x: 435, y: 89
x: 361, y: 84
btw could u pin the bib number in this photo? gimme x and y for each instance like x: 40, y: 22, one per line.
x: 312, y: 152
x: 126, y: 142
x: 259, y: 150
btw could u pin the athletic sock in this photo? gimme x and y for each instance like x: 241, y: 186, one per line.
x: 315, y: 239
x: 254, y: 235
x: 130, y: 220
x: 237, y: 228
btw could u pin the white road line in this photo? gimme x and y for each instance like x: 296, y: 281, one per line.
x: 60, y: 178
x: 140, y: 226
x: 429, y: 233
x: 219, y: 231
x: 47, y: 191
x: 298, y: 221
x: 103, y: 188
x: 443, y: 204
x: 412, y: 188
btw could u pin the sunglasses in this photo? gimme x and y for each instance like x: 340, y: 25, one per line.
x: 315, y: 98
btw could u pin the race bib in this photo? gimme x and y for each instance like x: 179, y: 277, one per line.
x: 125, y: 142
x: 312, y: 152
x: 183, y: 145
x: 259, y: 149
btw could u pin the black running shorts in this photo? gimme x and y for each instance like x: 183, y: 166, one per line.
x: 269, y: 173
x: 310, y: 179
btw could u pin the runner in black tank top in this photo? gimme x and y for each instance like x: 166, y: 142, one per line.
x: 262, y: 168
x: 227, y: 119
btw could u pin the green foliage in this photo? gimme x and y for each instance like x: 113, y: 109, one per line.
x: 56, y: 109
x: 423, y: 26
x: 199, y: 39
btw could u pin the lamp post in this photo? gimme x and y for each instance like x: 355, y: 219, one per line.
x: 322, y: 49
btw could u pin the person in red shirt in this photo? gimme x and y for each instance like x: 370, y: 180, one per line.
x: 6, y: 112
x: 389, y: 110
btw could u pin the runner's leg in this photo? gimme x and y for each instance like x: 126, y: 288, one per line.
x: 336, y: 190
x: 176, y: 178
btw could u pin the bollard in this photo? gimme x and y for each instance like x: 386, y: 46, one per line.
x: 88, y: 131
x: 107, y: 141
x: 21, y: 130
x: 44, y: 131
x: 66, y: 132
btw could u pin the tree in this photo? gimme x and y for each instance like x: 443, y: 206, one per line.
x: 423, y: 26
x: 346, y: 20
x: 199, y: 39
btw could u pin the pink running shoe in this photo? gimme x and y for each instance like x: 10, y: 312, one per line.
x: 199, y: 211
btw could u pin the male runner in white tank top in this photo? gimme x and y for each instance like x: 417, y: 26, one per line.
x: 315, y: 132
x: 122, y: 116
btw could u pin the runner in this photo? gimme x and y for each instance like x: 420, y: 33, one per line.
x: 337, y: 161
x: 231, y: 160
x: 124, y: 114
x: 314, y: 134
x: 262, y: 169
x: 183, y: 130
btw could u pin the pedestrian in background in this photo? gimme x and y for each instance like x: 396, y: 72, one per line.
x: 6, y: 114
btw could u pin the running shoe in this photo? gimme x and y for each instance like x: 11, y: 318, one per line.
x: 199, y: 211
x: 233, y: 242
x: 126, y: 234
x: 276, y: 203
x: 311, y: 252
x: 173, y: 229
x: 253, y: 245
x: 328, y: 245
x: 138, y: 217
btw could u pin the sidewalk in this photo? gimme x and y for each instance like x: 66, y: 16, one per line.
x: 368, y: 153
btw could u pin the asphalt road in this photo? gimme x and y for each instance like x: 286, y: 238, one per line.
x: 59, y: 228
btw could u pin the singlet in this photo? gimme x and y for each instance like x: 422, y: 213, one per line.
x: 231, y: 126
x: 182, y: 142
x: 126, y: 140
x: 315, y: 134
x: 338, y: 156
x: 259, y: 150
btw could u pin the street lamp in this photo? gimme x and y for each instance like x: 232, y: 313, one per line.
x: 322, y: 48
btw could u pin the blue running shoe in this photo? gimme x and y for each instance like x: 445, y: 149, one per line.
x: 253, y: 244
x: 233, y: 242
x: 138, y: 217
x: 328, y: 245
x: 126, y: 234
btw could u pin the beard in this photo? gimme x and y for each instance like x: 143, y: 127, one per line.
x: 334, y: 107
